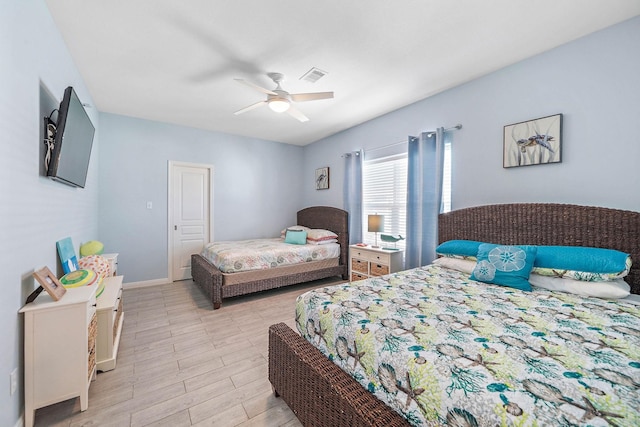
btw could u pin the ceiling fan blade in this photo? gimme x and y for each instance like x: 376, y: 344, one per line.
x: 250, y: 107
x: 302, y: 97
x: 295, y: 113
x: 256, y: 87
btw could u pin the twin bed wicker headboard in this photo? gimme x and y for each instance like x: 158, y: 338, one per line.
x: 329, y: 218
x: 548, y: 224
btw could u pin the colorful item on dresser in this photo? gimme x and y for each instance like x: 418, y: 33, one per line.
x: 98, y: 264
x: 79, y: 278
x: 438, y: 348
x: 92, y: 247
x: 67, y: 255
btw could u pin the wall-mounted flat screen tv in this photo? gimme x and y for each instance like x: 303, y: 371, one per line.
x: 72, y: 144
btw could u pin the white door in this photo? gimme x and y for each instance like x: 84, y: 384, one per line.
x: 190, y: 215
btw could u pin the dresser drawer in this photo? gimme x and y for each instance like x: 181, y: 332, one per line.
x: 360, y: 265
x: 356, y: 276
x: 379, y: 269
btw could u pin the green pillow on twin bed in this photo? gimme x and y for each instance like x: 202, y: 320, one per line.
x: 296, y: 237
x: 505, y: 265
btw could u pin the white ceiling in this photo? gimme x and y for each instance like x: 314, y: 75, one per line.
x: 175, y: 61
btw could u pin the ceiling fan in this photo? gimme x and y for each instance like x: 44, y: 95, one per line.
x: 279, y: 100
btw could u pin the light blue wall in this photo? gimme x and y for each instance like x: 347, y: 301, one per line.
x: 260, y: 185
x: 592, y: 81
x: 256, y: 188
x: 34, y: 211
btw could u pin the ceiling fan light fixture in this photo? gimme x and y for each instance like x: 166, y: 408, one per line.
x: 279, y: 105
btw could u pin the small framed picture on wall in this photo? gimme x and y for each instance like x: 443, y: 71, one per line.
x: 322, y: 178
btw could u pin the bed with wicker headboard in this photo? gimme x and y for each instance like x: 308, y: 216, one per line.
x: 218, y: 286
x: 320, y: 393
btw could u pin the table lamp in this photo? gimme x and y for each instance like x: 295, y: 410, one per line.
x: 375, y: 224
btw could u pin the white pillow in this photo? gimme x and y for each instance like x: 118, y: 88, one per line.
x: 320, y: 234
x: 458, y: 264
x: 321, y: 242
x: 613, y: 289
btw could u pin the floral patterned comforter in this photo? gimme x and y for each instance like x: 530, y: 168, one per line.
x: 440, y: 348
x: 259, y: 254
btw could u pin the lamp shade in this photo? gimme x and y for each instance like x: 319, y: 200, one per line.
x: 279, y: 105
x: 375, y: 223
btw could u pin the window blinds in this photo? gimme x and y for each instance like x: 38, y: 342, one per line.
x: 384, y: 192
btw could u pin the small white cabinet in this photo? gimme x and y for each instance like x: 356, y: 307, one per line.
x: 365, y: 262
x: 59, y: 349
x: 110, y: 319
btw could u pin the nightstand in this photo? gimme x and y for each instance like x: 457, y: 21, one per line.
x: 365, y: 262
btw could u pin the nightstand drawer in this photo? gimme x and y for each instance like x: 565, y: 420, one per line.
x: 379, y: 269
x: 359, y: 265
x: 356, y: 276
x: 378, y: 257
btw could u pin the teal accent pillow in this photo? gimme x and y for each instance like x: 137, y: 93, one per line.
x: 463, y: 248
x: 580, y: 258
x: 505, y: 265
x: 296, y: 237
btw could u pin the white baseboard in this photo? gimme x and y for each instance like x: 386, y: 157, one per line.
x: 145, y: 283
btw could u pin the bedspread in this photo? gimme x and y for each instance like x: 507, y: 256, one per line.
x: 258, y: 254
x: 440, y: 348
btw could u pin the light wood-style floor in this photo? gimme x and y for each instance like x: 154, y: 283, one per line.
x: 181, y: 363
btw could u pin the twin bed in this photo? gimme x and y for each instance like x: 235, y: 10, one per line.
x: 218, y: 285
x: 442, y: 349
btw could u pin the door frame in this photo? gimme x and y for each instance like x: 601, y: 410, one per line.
x: 171, y: 165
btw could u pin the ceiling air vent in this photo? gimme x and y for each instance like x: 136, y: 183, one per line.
x: 313, y: 75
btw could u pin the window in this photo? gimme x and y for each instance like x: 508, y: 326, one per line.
x: 384, y: 191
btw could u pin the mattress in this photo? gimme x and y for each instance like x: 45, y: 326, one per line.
x: 254, y: 275
x: 442, y: 349
x: 260, y: 254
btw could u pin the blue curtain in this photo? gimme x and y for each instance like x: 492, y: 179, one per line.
x: 424, y: 196
x: 353, y: 194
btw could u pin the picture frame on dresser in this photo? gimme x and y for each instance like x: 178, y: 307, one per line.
x: 50, y: 283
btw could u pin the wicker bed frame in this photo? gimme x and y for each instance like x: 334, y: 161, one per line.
x: 212, y: 281
x: 321, y: 394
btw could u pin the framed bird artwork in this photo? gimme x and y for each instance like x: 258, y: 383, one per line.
x: 533, y: 142
x: 322, y: 178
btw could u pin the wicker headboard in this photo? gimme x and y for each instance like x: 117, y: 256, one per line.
x: 329, y: 218
x: 548, y: 224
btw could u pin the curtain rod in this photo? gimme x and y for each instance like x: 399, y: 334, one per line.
x: 456, y: 127
x: 429, y: 133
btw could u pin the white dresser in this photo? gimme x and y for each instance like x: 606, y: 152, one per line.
x: 59, y: 349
